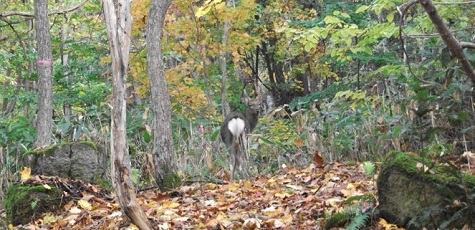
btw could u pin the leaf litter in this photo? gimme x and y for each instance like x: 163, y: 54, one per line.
x: 291, y: 199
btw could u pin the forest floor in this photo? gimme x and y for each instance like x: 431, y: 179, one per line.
x: 291, y: 199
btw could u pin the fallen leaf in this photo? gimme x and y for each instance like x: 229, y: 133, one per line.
x: 294, y: 187
x: 252, y: 223
x: 75, y: 210
x: 272, y: 211
x: 298, y: 143
x: 281, y: 194
x: 318, y: 158
x: 49, y: 219
x: 25, y: 174
x: 347, y: 192
x: 419, y: 165
x: 248, y: 185
x: 85, y: 205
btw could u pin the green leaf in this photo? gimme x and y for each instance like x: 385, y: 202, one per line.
x: 267, y: 141
x: 135, y: 175
x: 332, y: 20
x: 214, y: 135
x: 147, y: 137
x: 361, y: 9
x: 345, y: 15
x: 34, y: 203
x: 390, y: 17
x: 308, y: 46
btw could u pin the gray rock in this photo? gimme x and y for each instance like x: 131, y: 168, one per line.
x: 82, y: 160
x: 414, y: 197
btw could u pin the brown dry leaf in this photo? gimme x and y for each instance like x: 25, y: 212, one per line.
x: 252, y: 223
x: 318, y: 158
x: 298, y: 143
x: 292, y: 199
x: 272, y: 211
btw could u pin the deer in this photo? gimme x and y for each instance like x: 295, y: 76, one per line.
x: 236, y: 128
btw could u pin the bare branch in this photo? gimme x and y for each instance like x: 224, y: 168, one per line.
x: 452, y: 43
x: 32, y: 15
x: 454, y: 3
x: 436, y: 34
x: 17, y: 13
x: 404, y: 7
x: 469, y: 45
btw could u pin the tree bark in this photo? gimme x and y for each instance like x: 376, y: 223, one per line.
x: 118, y: 31
x: 163, y: 153
x: 67, y: 110
x: 452, y: 43
x: 222, y: 64
x: 45, y: 68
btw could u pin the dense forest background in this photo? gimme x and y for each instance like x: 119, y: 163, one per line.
x: 349, y: 80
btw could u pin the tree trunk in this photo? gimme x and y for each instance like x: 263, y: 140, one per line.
x: 67, y: 110
x: 118, y: 31
x: 163, y: 153
x: 222, y: 64
x: 45, y: 67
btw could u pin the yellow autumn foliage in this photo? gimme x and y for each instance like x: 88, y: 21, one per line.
x: 139, y: 10
x: 188, y: 38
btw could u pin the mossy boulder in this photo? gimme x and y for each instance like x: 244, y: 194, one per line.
x: 25, y: 203
x: 81, y: 160
x: 415, y: 193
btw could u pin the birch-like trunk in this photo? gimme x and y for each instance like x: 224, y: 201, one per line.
x: 222, y: 64
x: 118, y: 31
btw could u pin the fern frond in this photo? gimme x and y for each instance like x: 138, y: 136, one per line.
x: 358, y: 222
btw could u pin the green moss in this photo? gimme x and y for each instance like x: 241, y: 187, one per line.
x: 50, y: 148
x: 443, y: 174
x: 26, y: 202
x: 90, y: 143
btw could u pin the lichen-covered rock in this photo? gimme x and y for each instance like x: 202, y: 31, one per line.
x: 82, y: 161
x: 414, y: 193
x: 25, y: 203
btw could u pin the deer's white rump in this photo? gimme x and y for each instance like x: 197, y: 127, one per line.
x: 236, y: 126
x: 235, y: 130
